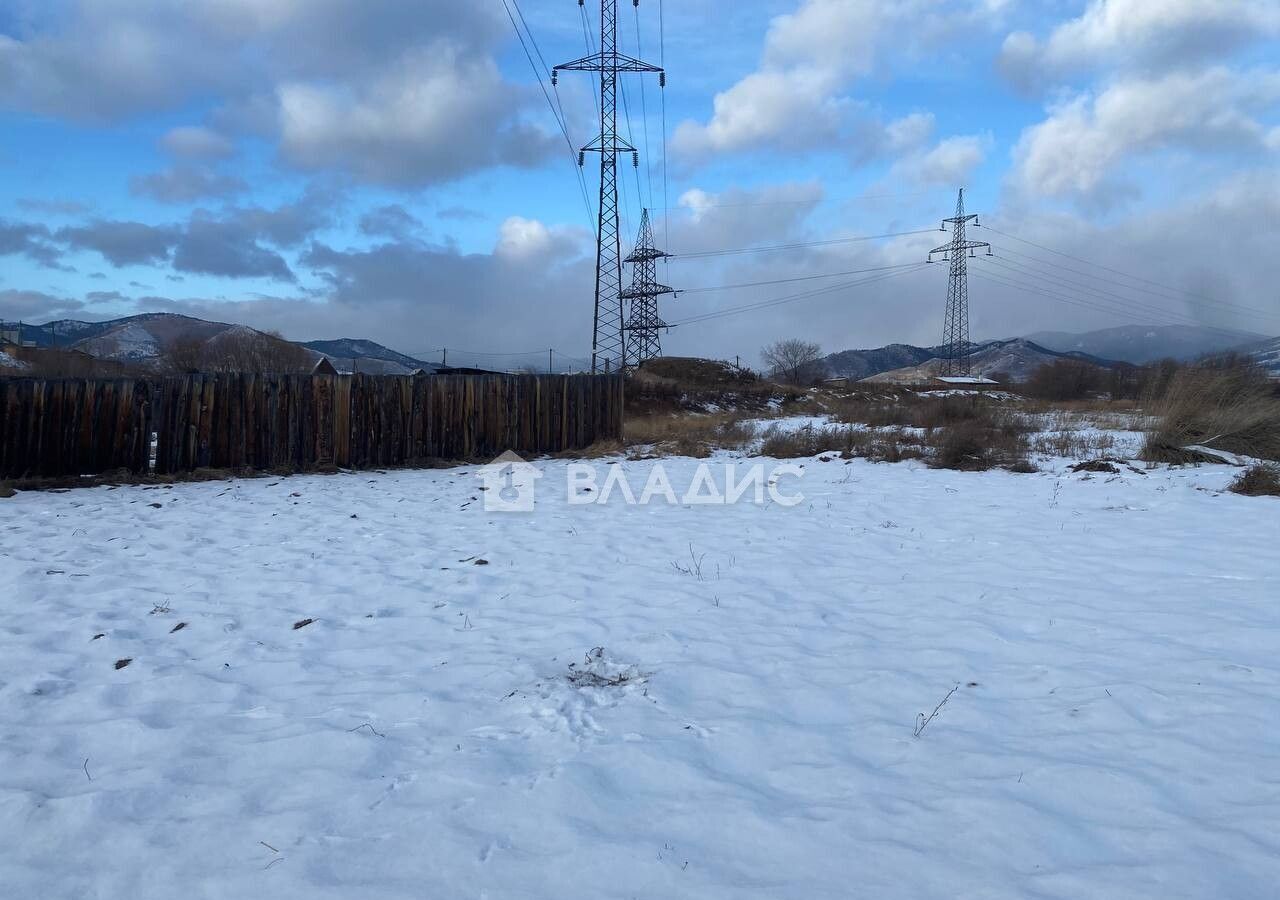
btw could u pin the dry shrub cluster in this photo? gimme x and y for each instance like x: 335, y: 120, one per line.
x: 971, y: 438
x: 688, y: 434
x: 1259, y: 480
x: 1230, y: 409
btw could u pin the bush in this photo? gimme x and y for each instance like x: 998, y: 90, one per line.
x: 1259, y: 480
x: 1234, y: 410
x: 810, y: 441
x: 1064, y: 379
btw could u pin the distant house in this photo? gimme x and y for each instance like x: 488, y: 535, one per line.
x: 977, y: 382
x: 11, y: 333
x: 324, y: 367
x: 840, y: 382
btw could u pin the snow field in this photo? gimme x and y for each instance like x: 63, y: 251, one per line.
x: 745, y: 728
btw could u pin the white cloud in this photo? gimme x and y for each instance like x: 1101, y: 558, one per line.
x: 1085, y: 139
x: 797, y: 97
x: 393, y: 92
x: 1141, y: 34
x: 951, y: 162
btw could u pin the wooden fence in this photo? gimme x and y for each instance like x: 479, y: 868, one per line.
x: 295, y: 422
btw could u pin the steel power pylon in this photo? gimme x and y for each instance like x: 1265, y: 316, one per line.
x: 955, y: 330
x: 608, y: 344
x: 644, y: 324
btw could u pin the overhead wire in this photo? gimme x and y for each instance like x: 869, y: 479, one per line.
x: 798, y: 278
x: 644, y: 110
x: 800, y: 245
x: 1068, y: 284
x: 662, y: 63
x: 792, y: 298
x: 1167, y: 294
x: 1114, y: 271
x: 559, y: 116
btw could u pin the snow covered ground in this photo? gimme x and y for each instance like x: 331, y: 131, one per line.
x: 658, y: 702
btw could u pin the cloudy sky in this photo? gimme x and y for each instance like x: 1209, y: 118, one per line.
x: 392, y: 169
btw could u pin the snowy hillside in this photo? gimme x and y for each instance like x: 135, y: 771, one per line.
x: 1141, y: 344
x: 1267, y: 355
x: 1017, y: 359
x: 365, y: 686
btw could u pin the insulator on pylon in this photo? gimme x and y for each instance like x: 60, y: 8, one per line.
x: 555, y: 77
x: 662, y: 79
x: 635, y: 159
x: 582, y: 158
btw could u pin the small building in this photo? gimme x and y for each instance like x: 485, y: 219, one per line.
x: 977, y: 382
x: 840, y: 382
x: 11, y: 333
x: 324, y: 367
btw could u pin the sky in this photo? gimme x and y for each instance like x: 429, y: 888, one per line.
x: 396, y: 169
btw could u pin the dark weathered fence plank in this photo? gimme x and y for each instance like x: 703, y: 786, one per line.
x: 297, y: 422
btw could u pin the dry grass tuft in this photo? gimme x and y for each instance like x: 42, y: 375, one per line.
x: 1234, y: 410
x: 689, y: 434
x: 1259, y: 480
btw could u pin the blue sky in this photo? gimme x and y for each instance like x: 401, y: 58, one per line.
x: 389, y: 168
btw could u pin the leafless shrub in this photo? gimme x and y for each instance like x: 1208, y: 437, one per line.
x: 1065, y: 379
x: 1233, y: 410
x: 1072, y: 444
x: 810, y: 441
x: 1259, y: 480
x: 238, y: 350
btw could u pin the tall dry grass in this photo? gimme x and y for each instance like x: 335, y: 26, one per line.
x: 1234, y: 410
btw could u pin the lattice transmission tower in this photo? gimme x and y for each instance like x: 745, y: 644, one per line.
x: 955, y: 329
x: 608, y: 342
x: 643, y: 325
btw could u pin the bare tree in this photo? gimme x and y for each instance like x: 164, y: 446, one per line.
x: 183, y: 355
x: 794, y: 361
x: 239, y: 350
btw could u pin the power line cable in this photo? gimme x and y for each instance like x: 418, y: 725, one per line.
x: 1109, y: 296
x: 1115, y: 271
x: 1168, y: 294
x: 791, y: 298
x: 801, y: 245
x: 644, y: 110
x: 1100, y: 305
x: 750, y: 284
x: 559, y: 116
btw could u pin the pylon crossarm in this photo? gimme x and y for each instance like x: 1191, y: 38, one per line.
x: 646, y: 254
x: 608, y: 62
x: 960, y: 220
x: 619, y: 146
x: 963, y: 245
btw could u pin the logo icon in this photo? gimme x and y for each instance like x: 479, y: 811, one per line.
x: 509, y: 483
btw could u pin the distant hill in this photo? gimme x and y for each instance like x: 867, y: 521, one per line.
x: 1265, y: 354
x: 351, y: 354
x: 143, y: 340
x: 1141, y: 344
x: 859, y: 364
x: 1016, y: 358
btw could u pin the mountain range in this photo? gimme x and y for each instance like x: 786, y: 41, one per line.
x: 1019, y: 357
x: 1142, y: 344
x: 144, y: 340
